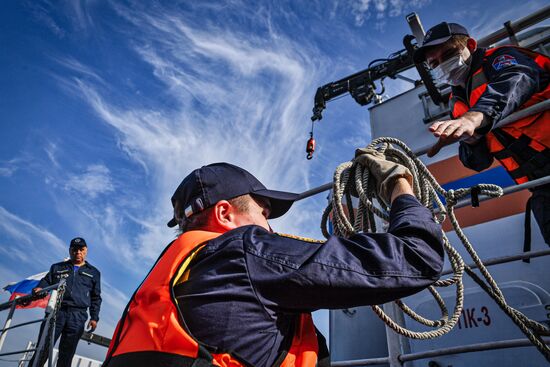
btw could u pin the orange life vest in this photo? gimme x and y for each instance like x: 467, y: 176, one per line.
x: 152, y: 331
x: 522, y: 147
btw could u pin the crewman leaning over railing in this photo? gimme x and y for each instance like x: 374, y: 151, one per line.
x: 488, y: 85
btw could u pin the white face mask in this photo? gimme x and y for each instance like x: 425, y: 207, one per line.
x: 452, y: 71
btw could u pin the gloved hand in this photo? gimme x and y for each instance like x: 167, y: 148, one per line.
x: 384, y: 171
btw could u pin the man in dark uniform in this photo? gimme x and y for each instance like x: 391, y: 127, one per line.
x: 488, y: 85
x: 83, y: 291
x: 245, y: 289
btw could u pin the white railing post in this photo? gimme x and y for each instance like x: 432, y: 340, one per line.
x: 50, y: 312
x: 23, y: 361
x: 7, y: 324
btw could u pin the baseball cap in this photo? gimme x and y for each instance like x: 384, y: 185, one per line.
x: 209, y: 184
x: 437, y: 35
x: 78, y: 242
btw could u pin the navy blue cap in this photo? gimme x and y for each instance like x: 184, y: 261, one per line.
x: 207, y: 185
x: 78, y: 242
x: 437, y: 35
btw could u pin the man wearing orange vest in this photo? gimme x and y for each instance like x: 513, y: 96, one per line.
x: 230, y: 292
x: 488, y: 85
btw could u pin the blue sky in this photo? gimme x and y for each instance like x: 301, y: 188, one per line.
x: 107, y: 105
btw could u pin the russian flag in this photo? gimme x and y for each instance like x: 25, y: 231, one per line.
x: 25, y: 287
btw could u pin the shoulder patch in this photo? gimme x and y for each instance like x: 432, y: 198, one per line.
x: 502, y: 61
x: 304, y: 239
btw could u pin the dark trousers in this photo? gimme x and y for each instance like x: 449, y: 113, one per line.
x: 69, y: 324
x: 540, y: 205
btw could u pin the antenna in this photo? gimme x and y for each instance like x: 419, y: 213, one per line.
x: 416, y: 27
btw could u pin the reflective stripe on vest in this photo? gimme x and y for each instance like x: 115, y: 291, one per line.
x: 525, y: 159
x: 151, y: 331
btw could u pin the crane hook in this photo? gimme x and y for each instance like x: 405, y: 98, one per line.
x: 310, y: 146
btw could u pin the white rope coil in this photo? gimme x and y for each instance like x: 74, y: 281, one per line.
x: 352, y: 177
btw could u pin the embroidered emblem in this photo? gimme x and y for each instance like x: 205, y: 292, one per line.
x: 503, y: 61
x: 304, y: 239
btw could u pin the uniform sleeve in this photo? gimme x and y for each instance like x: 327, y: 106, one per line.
x: 365, y: 269
x: 95, y: 298
x: 475, y: 156
x: 47, y: 280
x: 513, y: 78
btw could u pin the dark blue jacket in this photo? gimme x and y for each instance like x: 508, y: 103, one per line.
x: 83, y: 287
x: 247, y: 286
x: 508, y: 88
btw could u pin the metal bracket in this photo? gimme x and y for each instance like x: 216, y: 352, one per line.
x: 511, y: 33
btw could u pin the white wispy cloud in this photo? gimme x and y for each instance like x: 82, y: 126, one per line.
x: 94, y: 181
x: 33, y: 238
x: 7, y: 170
x: 42, y: 11
x: 80, y: 14
x: 52, y: 150
x: 238, y: 100
x: 363, y: 10
x: 487, y: 22
x: 77, y: 67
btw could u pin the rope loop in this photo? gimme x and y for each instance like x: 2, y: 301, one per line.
x: 352, y: 180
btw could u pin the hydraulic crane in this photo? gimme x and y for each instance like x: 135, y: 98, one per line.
x: 361, y: 85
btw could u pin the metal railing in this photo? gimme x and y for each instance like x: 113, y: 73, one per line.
x: 470, y: 348
x: 394, y: 358
x: 398, y: 359
x: 513, y: 27
x: 537, y: 108
x: 47, y: 335
x: 49, y: 326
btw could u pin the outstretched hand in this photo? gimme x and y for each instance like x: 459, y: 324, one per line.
x: 451, y: 131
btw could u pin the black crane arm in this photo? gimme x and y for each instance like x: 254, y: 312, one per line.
x: 361, y: 84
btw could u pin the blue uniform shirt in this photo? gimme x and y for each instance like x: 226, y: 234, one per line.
x: 83, y: 286
x: 512, y: 78
x: 247, y: 286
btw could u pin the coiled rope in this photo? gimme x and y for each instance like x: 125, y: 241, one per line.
x: 352, y: 177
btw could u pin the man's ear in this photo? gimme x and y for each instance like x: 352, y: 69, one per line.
x: 224, y: 215
x: 471, y: 44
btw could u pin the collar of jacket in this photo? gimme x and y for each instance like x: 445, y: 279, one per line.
x: 70, y: 263
x: 477, y: 62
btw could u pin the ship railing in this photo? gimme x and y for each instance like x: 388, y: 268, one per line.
x: 401, y: 359
x: 395, y: 343
x: 44, y: 341
x: 46, y: 338
x: 537, y: 108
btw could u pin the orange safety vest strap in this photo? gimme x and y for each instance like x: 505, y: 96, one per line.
x: 151, y: 321
x: 478, y: 86
x: 522, y: 147
x: 152, y: 331
x: 458, y: 107
x: 534, y: 157
x: 304, y: 348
